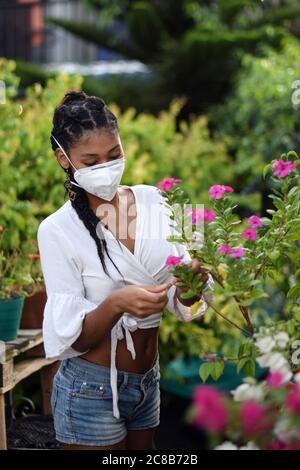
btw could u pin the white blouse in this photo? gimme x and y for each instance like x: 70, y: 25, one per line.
x: 76, y: 283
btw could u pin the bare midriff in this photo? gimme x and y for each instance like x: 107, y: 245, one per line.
x: 146, y: 348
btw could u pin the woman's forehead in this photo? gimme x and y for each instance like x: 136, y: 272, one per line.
x: 102, y: 139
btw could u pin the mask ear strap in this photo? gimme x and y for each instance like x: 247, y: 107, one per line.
x: 64, y: 153
x: 73, y: 182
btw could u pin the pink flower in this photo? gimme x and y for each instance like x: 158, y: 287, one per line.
x: 253, y: 417
x: 293, y: 400
x: 173, y: 260
x: 255, y: 222
x: 209, y: 215
x: 238, y: 252
x: 197, y: 214
x: 201, y: 214
x: 228, y: 189
x: 217, y: 191
x: 283, y: 168
x: 232, y: 252
x: 275, y: 379
x: 224, y: 249
x: 249, y: 233
x: 168, y: 183
x: 211, y: 412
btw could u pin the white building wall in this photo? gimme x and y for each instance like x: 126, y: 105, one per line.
x: 63, y: 46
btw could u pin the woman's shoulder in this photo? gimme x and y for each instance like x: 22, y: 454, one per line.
x: 149, y: 191
x: 147, y: 187
x: 58, y: 218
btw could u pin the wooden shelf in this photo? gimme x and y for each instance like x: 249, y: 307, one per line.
x: 18, y: 365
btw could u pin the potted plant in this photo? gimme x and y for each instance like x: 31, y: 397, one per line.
x: 15, y: 283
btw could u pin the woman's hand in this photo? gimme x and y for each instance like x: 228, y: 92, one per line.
x: 196, y: 268
x: 140, y: 300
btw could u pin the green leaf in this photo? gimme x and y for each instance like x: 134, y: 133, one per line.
x: 249, y: 368
x: 241, y: 364
x: 217, y: 370
x: 187, y: 295
x: 292, y: 154
x: 205, y: 370
x: 247, y: 365
x: 294, y: 292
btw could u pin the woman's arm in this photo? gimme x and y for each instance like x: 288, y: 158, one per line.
x: 136, y: 299
x: 97, y: 324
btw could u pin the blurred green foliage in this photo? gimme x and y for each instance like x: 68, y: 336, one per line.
x: 261, y: 119
x: 32, y: 180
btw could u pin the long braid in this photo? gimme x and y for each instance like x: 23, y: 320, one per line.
x: 76, y: 114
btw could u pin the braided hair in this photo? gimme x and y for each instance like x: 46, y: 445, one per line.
x: 77, y: 113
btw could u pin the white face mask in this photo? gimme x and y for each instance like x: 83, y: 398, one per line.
x: 101, y: 179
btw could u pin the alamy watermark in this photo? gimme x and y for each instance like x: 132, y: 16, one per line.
x: 189, y: 221
x: 296, y: 93
x: 296, y: 353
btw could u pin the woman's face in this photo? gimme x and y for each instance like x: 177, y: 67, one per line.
x: 94, y: 147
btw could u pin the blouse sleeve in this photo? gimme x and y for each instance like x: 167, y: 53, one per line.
x: 66, y: 305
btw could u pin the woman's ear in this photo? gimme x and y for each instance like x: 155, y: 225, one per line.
x: 61, y: 158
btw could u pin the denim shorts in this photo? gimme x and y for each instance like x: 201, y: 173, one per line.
x: 84, y: 416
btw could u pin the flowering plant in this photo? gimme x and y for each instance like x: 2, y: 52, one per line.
x: 241, y: 256
x: 19, y: 272
x: 262, y: 415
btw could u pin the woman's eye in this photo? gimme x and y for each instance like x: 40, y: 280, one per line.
x: 117, y: 156
x: 111, y: 158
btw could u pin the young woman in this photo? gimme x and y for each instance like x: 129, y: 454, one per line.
x: 107, y: 283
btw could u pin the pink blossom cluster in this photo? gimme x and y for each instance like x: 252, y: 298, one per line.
x: 201, y: 214
x: 218, y: 190
x: 214, y: 413
x: 237, y: 252
x: 211, y: 411
x: 250, y: 233
x: 173, y: 260
x: 168, y: 183
x: 283, y: 167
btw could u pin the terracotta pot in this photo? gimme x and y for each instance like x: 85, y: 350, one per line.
x: 33, y: 311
